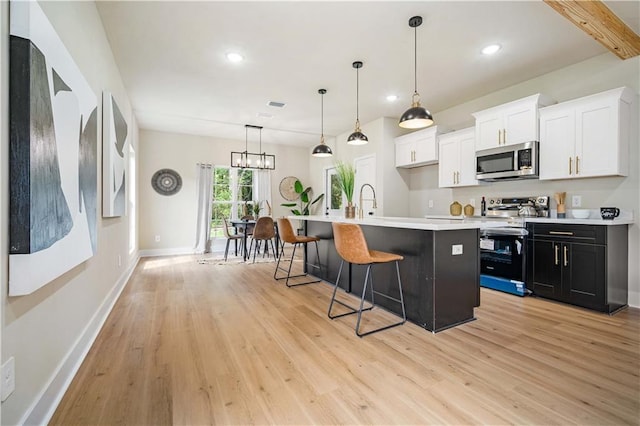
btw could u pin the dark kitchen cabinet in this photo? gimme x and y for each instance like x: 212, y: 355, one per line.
x: 584, y: 265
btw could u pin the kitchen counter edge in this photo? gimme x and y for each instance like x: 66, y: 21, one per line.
x: 408, y: 222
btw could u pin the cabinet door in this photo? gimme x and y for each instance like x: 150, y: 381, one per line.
x: 467, y: 166
x: 404, y: 153
x: 545, y: 273
x: 583, y: 277
x: 425, y: 149
x: 488, y: 130
x: 557, y: 140
x: 520, y: 123
x: 449, y: 162
x: 597, y: 139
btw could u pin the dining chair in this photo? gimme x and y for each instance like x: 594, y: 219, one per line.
x: 352, y: 247
x: 263, y: 231
x: 229, y: 237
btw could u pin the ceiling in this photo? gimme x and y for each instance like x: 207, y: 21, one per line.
x: 172, y: 59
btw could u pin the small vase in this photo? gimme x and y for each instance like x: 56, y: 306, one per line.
x: 350, y: 211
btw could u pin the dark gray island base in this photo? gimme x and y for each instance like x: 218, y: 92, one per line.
x: 440, y: 289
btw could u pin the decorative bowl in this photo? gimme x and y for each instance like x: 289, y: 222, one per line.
x: 580, y: 213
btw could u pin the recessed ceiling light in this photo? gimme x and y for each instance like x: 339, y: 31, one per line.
x: 392, y: 98
x: 264, y: 115
x: 491, y: 49
x: 234, y: 57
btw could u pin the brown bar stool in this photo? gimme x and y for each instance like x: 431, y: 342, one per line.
x: 352, y: 247
x: 285, y: 231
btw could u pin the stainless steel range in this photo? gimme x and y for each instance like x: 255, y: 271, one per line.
x: 502, y: 250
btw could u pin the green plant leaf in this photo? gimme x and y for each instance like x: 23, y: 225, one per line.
x: 318, y: 198
x: 288, y: 204
x: 296, y: 212
x: 298, y: 187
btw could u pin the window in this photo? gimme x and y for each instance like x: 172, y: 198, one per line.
x: 232, y: 194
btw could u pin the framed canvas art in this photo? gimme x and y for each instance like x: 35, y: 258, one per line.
x: 114, y: 149
x: 52, y: 155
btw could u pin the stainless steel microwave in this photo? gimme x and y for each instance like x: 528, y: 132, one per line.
x: 518, y: 161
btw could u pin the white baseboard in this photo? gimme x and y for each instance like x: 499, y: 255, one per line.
x: 45, y: 404
x: 167, y: 252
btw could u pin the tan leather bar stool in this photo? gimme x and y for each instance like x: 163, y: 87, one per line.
x: 285, y: 231
x: 352, y: 247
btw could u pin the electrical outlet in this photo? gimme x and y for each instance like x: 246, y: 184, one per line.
x: 430, y: 204
x: 157, y: 238
x: 576, y: 201
x: 472, y: 201
x: 456, y: 249
x: 8, y: 378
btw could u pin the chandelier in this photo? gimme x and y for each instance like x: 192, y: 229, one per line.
x: 252, y: 160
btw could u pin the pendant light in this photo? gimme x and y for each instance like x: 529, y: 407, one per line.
x: 252, y: 160
x: 357, y: 137
x: 323, y: 149
x: 415, y: 117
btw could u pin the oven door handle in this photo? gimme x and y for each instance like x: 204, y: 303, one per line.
x: 517, y: 232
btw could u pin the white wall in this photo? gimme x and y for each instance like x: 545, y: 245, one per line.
x: 173, y: 218
x: 48, y: 331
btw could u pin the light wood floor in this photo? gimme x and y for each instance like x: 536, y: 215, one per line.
x: 192, y: 344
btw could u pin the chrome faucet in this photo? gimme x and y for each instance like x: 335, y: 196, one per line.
x: 375, y: 204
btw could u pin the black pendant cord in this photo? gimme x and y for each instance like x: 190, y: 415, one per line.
x: 358, y: 94
x: 322, y: 117
x: 415, y: 60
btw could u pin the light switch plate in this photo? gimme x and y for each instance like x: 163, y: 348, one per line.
x: 456, y: 249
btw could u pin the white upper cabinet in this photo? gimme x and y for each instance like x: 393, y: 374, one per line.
x: 457, y: 166
x: 588, y: 137
x: 419, y: 148
x: 510, y: 123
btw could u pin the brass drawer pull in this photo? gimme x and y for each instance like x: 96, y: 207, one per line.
x: 560, y: 233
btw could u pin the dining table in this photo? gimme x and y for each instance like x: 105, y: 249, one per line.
x: 246, y: 227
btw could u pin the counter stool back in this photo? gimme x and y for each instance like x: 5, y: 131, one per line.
x: 352, y: 247
x: 287, y: 235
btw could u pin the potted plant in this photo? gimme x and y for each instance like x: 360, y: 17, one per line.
x: 256, y: 209
x: 305, y: 200
x: 347, y: 179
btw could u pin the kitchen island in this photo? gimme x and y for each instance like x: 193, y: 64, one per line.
x: 440, y: 271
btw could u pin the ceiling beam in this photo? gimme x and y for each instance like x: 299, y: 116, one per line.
x: 597, y: 20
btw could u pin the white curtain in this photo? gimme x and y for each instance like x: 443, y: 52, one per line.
x: 262, y: 190
x: 204, y: 186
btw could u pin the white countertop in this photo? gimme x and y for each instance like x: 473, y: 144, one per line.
x: 626, y: 218
x: 572, y: 221
x: 410, y: 222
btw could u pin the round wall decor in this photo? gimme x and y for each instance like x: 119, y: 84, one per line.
x: 288, y: 188
x: 166, y: 182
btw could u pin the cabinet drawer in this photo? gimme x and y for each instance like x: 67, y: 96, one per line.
x: 588, y: 234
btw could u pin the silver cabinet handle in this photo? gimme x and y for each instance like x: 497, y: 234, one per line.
x: 566, y: 261
x: 577, y: 165
x: 570, y: 159
x: 555, y: 249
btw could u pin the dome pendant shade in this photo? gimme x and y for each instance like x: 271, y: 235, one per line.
x: 323, y: 149
x: 415, y: 117
x: 357, y: 137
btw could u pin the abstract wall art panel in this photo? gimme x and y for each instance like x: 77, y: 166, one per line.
x: 114, y: 149
x: 53, y: 161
